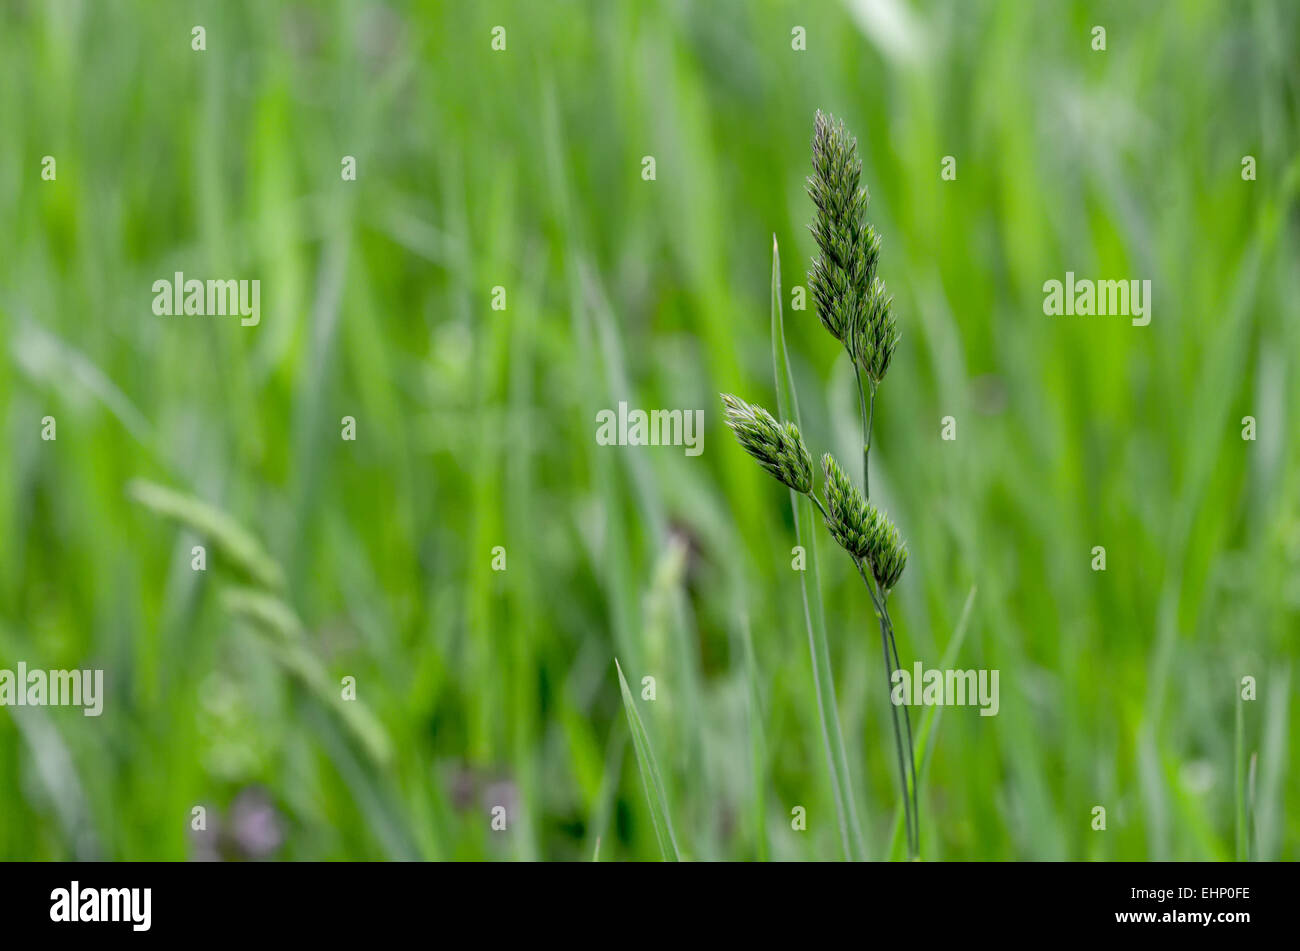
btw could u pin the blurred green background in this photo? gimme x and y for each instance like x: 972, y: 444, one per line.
x: 476, y: 428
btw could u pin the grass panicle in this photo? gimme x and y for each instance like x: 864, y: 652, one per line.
x: 855, y: 308
x: 846, y: 516
x: 778, y: 447
x: 851, y: 300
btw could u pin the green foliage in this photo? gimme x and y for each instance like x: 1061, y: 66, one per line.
x: 476, y: 427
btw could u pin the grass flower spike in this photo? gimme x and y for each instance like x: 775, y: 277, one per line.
x: 886, y: 553
x: 854, y: 306
x: 846, y: 517
x: 872, y: 346
x: 841, y: 274
x: 861, y: 529
x: 852, y: 302
x: 778, y: 447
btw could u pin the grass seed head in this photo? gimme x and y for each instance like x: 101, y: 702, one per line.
x: 851, y: 301
x: 778, y: 447
x: 874, y: 345
x: 861, y: 529
x: 842, y: 271
x: 846, y: 510
x: 887, y: 555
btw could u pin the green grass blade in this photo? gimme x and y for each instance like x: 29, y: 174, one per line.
x: 285, y: 639
x: 607, y: 795
x: 787, y: 399
x: 1238, y: 756
x: 240, y: 547
x: 1252, y: 854
x: 757, y: 743
x: 1269, y: 808
x: 787, y: 402
x: 650, y: 777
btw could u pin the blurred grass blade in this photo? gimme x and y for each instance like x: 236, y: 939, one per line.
x: 1239, y: 766
x: 650, y: 778
x: 283, y: 633
x: 606, y: 797
x: 1252, y: 854
x: 787, y: 399
x: 267, y: 612
x: 787, y: 402
x: 1269, y: 809
x: 757, y: 742
x: 241, y: 549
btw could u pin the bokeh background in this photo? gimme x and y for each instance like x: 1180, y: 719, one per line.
x: 476, y: 428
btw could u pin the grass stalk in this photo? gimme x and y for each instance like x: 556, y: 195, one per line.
x: 854, y: 307
x: 908, y: 777
x: 933, y: 715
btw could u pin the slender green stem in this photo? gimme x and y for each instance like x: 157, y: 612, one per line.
x: 898, y: 741
x: 911, y: 747
x: 832, y: 734
x: 867, y: 407
x: 906, y: 777
x: 866, y: 444
x: 868, y: 414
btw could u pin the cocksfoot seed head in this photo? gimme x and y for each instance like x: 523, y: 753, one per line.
x: 887, y: 555
x: 841, y: 273
x: 778, y: 447
x: 846, y: 510
x: 875, y: 336
x: 851, y: 301
x: 861, y: 529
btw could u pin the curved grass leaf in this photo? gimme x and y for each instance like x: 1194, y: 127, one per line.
x: 282, y: 632
x: 240, y: 547
x: 650, y: 778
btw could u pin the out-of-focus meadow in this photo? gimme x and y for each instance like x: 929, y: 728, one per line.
x: 475, y: 428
